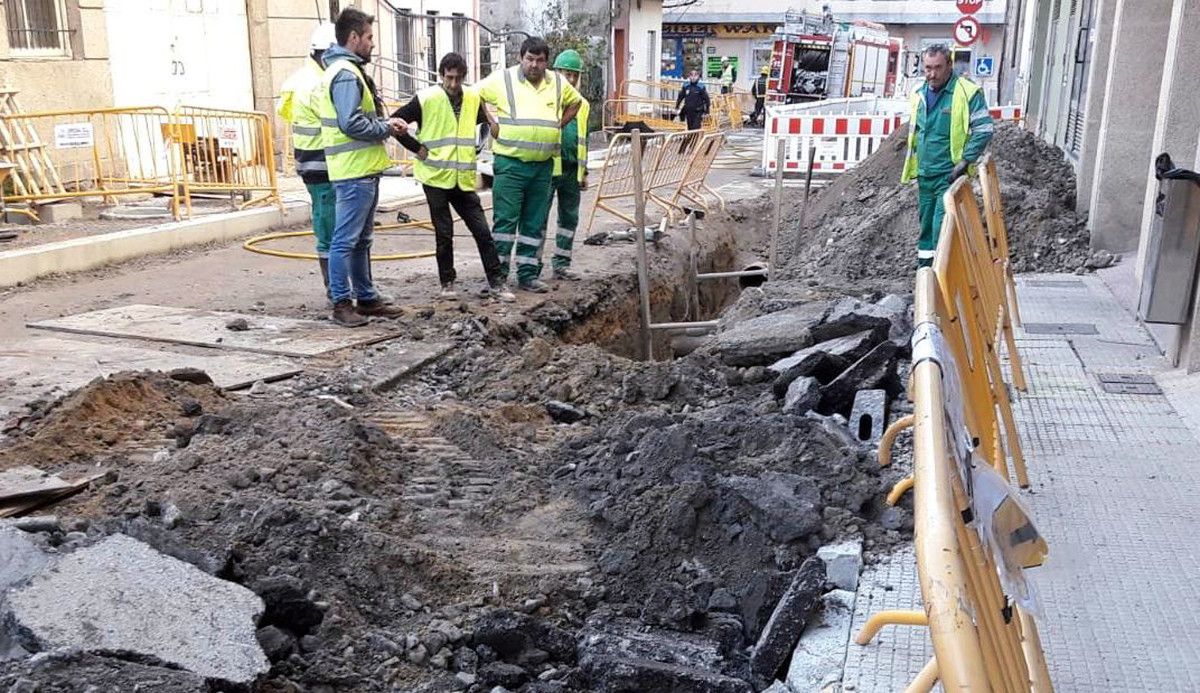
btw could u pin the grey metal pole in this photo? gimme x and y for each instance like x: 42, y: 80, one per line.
x: 639, y: 221
x: 812, y: 154
x: 773, y: 257
x: 694, y: 270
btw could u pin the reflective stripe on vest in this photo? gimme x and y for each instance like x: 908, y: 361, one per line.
x: 528, y: 129
x: 581, y: 151
x: 449, y: 140
x: 960, y: 126
x: 345, y: 156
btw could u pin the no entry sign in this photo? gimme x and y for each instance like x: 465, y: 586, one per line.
x: 969, y: 6
x: 966, y: 30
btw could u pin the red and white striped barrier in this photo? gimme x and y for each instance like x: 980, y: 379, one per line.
x: 840, y: 141
x: 1009, y: 112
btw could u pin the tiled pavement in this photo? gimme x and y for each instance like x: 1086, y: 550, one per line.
x: 1115, y: 490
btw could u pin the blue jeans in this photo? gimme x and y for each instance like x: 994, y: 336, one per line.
x: 353, y: 231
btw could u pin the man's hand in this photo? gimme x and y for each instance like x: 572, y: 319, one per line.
x: 960, y: 170
x: 398, y: 126
x: 422, y: 153
x: 583, y: 183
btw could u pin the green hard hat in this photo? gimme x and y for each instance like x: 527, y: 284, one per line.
x: 569, y: 60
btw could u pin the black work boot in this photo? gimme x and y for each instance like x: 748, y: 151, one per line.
x: 345, y: 315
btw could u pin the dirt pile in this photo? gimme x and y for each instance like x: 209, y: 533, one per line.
x: 861, y: 230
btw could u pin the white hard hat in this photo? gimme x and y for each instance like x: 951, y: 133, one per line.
x: 322, y: 37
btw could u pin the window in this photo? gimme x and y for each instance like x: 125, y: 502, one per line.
x: 460, y: 34
x: 38, y: 27
x: 431, y: 52
x: 404, y: 53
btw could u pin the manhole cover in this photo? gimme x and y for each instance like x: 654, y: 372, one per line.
x: 1058, y: 283
x: 1127, y: 378
x: 1060, y: 328
x: 1132, y: 388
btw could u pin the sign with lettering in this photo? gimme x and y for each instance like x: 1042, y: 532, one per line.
x: 229, y: 138
x: 734, y: 30
x: 73, y: 136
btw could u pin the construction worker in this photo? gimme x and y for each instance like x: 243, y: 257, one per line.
x: 353, y: 132
x: 297, y: 105
x: 759, y: 92
x: 949, y: 128
x: 570, y: 170
x: 449, y: 116
x: 728, y: 75
x: 533, y: 106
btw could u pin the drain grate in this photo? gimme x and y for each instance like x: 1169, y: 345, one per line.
x: 1057, y: 283
x: 1060, y: 328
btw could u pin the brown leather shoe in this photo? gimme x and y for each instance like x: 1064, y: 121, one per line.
x: 379, y: 308
x: 345, y: 315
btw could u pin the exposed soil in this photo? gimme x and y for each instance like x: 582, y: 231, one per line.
x: 860, y: 232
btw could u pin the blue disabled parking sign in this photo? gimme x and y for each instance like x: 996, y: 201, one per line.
x: 984, y: 66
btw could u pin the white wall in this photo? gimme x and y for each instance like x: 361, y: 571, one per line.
x: 167, y: 53
x: 644, y: 62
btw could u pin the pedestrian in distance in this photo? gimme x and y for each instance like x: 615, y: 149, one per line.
x: 570, y: 170
x: 354, y: 130
x: 449, y: 115
x: 533, y: 106
x: 298, y: 106
x: 949, y: 128
x: 693, y: 104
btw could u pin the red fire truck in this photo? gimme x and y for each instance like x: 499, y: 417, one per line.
x: 817, y: 58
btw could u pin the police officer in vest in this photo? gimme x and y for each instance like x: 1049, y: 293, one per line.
x: 354, y: 132
x: 533, y: 106
x: 570, y: 170
x: 948, y: 130
x: 449, y: 116
x: 297, y: 105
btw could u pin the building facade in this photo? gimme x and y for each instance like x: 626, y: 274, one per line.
x: 699, y: 35
x: 1112, y: 82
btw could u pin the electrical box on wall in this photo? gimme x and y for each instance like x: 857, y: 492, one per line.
x: 1169, y: 281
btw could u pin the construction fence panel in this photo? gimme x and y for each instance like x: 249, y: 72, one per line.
x: 694, y: 186
x: 226, y: 152
x: 838, y: 142
x: 617, y: 180
x: 89, y: 153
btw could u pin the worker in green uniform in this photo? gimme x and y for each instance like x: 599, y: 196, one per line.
x: 532, y: 107
x: 948, y: 130
x: 570, y: 170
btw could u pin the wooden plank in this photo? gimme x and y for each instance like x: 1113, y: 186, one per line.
x: 47, y: 365
x: 24, y: 481
x: 205, y: 328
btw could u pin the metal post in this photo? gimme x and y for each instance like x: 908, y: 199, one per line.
x: 812, y: 154
x: 773, y: 257
x: 639, y: 222
x: 694, y: 266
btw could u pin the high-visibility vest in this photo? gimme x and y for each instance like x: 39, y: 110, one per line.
x: 347, y: 157
x: 450, y: 141
x: 960, y: 125
x: 727, y: 76
x: 297, y: 106
x: 581, y: 150
x: 528, y: 119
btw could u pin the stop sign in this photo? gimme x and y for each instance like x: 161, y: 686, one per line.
x: 969, y: 6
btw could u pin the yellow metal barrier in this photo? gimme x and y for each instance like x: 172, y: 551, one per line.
x: 98, y: 153
x: 224, y: 151
x: 617, y: 179
x: 997, y: 236
x: 694, y: 186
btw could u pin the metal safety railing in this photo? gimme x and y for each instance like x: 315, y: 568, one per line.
x: 109, y: 153
x: 669, y: 169
x: 973, y: 536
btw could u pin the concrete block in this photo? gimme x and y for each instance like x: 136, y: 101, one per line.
x: 791, y: 615
x: 59, y: 212
x: 843, y: 562
x: 20, y: 558
x: 785, y: 506
x: 120, y: 595
x: 819, y: 659
x: 868, y: 415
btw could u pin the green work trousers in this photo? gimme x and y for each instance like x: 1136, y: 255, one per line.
x: 566, y: 192
x: 323, y: 202
x: 520, y: 206
x: 931, y: 210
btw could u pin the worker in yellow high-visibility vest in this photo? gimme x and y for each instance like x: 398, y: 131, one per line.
x: 297, y: 105
x: 533, y: 106
x: 570, y: 170
x: 353, y: 132
x: 449, y: 115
